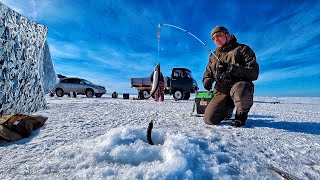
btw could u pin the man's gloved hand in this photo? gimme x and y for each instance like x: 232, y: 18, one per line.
x: 225, y: 67
x: 221, y: 76
x: 223, y: 72
x: 208, y: 84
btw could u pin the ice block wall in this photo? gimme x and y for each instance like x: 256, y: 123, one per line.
x: 23, y: 60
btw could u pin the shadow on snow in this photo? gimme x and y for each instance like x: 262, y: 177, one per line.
x: 299, y: 127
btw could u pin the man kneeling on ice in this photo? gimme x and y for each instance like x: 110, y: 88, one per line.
x: 233, y: 67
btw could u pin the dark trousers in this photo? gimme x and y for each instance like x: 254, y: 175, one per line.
x: 240, y: 96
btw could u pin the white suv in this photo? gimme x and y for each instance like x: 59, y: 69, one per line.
x: 78, y: 86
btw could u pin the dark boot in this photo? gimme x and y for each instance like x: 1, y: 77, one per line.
x: 227, y: 117
x: 240, y: 119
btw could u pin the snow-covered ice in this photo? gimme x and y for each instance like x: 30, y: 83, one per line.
x: 105, y: 138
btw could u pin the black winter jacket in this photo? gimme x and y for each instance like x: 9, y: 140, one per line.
x: 245, y: 66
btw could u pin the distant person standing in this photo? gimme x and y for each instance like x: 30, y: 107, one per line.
x: 160, y: 90
x: 233, y: 74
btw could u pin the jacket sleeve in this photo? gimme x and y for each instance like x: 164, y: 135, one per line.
x: 208, y: 74
x: 250, y: 71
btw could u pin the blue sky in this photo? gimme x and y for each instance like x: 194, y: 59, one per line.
x: 110, y: 41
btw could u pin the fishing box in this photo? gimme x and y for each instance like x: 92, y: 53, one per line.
x: 125, y: 95
x: 201, y: 101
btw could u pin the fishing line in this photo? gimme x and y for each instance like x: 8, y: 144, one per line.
x: 177, y: 27
x: 158, y: 36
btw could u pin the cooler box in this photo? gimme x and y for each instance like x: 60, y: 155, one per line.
x: 125, y: 95
x: 202, y: 99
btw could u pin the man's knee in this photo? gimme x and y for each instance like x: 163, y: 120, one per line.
x: 213, y: 118
x: 210, y: 121
x: 242, y: 88
x: 242, y: 95
x: 216, y: 109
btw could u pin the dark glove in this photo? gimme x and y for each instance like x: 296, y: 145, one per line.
x: 223, y: 72
x: 221, y: 76
x: 208, y: 84
x: 225, y: 67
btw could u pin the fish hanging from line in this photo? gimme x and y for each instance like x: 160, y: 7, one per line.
x: 155, y: 80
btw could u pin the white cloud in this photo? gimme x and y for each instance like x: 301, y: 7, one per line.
x: 64, y: 50
x: 287, y: 73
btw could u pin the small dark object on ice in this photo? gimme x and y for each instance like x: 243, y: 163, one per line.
x: 237, y: 123
x: 283, y: 174
x: 271, y: 102
x: 149, y: 133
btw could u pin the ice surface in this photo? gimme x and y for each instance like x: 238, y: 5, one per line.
x: 105, y: 138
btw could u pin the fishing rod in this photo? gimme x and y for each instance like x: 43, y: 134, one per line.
x: 177, y: 27
x: 150, y: 126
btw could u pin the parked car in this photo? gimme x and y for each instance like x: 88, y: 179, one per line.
x: 78, y: 86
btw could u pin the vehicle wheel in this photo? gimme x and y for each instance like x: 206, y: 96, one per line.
x: 59, y: 92
x: 89, y: 93
x: 145, y: 94
x: 178, y: 95
x: 98, y: 95
x: 186, y: 96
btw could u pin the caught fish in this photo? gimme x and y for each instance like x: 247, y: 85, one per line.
x: 149, y: 130
x: 155, y: 83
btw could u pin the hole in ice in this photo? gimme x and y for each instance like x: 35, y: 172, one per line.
x: 128, y: 146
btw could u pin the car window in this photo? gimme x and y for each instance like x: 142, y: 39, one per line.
x: 87, y: 82
x: 65, y: 80
x: 177, y: 73
x: 75, y: 81
x: 189, y: 74
x: 82, y: 82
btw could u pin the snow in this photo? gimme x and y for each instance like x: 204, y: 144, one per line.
x: 105, y: 138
